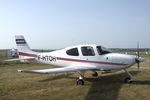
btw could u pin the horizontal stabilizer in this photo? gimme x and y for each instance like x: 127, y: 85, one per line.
x: 26, y: 58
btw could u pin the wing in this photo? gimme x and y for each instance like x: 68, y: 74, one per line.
x: 60, y: 70
x: 25, y: 58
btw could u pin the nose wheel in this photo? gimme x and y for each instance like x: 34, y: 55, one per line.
x: 128, y: 80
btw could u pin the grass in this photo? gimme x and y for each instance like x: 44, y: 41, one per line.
x: 145, y: 56
x: 27, y: 86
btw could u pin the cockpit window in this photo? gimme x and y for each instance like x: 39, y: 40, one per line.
x: 87, y: 51
x: 102, y: 50
x: 73, y: 52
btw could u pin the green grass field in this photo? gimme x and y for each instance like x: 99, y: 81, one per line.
x: 28, y: 86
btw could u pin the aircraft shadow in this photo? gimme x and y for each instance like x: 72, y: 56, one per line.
x: 106, y: 87
x: 102, y: 87
x: 141, y: 82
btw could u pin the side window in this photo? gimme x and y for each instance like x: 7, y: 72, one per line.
x: 87, y: 51
x: 73, y: 52
x: 101, y: 50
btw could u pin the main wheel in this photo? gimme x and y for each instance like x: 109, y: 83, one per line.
x: 95, y: 74
x: 128, y: 80
x: 80, y: 82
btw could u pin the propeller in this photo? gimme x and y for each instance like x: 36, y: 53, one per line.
x: 138, y: 59
x: 138, y: 56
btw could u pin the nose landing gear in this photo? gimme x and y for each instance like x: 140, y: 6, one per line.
x: 128, y: 79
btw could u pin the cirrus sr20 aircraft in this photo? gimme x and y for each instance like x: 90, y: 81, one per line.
x: 79, y: 59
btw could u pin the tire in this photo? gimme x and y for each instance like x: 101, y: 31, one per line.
x: 80, y: 82
x: 95, y: 74
x: 128, y: 80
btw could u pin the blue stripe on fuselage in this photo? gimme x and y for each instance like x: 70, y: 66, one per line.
x: 75, y: 60
x: 27, y: 54
x: 86, y: 61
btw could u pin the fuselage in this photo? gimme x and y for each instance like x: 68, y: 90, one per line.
x: 93, y: 55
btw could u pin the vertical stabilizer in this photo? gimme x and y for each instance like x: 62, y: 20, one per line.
x: 22, y: 44
x: 23, y: 48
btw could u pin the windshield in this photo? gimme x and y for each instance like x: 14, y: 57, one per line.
x: 102, y: 50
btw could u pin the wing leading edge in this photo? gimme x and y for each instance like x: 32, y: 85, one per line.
x: 61, y: 70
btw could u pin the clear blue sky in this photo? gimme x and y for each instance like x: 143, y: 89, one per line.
x: 53, y: 24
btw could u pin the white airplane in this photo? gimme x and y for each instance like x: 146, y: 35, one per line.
x: 79, y: 59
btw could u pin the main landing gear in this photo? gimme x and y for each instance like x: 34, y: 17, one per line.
x: 95, y: 74
x: 128, y: 79
x: 80, y: 81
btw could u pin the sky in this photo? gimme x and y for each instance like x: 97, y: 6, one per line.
x: 54, y: 24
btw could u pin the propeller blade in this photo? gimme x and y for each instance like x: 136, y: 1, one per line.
x: 138, y: 62
x: 138, y: 65
x: 138, y: 55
